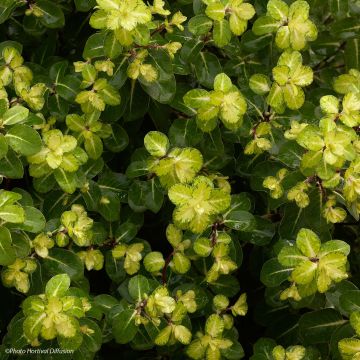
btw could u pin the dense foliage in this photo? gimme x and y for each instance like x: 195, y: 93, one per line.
x: 180, y: 179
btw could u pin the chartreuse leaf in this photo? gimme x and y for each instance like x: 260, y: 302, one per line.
x: 291, y: 24
x: 315, y: 266
x: 12, y: 214
x: 57, y: 285
x: 174, y: 108
x: 156, y: 143
x: 259, y: 84
x: 222, y: 33
x: 308, y: 242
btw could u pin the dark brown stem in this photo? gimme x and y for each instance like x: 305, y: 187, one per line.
x: 151, y: 46
x: 315, y: 179
x: 320, y: 186
x: 167, y: 262
x: 213, y: 235
x: 330, y: 57
x: 158, y: 30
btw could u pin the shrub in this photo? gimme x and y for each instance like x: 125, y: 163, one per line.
x: 180, y: 179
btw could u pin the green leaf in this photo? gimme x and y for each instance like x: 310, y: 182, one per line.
x: 262, y: 234
x: 92, y: 339
x: 163, y: 89
x: 70, y: 343
x: 11, y: 166
x: 3, y: 146
x: 339, y: 8
x: 7, y: 252
x: 318, y: 326
x: 112, y: 47
x: 34, y: 220
x: 273, y: 273
x: 21, y: 244
x: 350, y: 301
x: 6, y: 8
x: 250, y: 42
x: 68, y: 87
x: 62, y: 261
x: 240, y: 220
x: 57, y: 286
x: 109, y: 205
x: 146, y: 195
x: 345, y: 28
x: 264, y: 25
x: 235, y: 352
x: 15, y: 115
x: 225, y: 285
x: 52, y: 15
x: 294, y: 97
x: 24, y: 140
x: 191, y: 48
x: 12, y: 213
x: 84, y: 5
x: 221, y: 33
x: 352, y: 54
x: 138, y: 287
x: 67, y: 181
x: 118, y: 140
x: 207, y: 66
x: 200, y: 25
x: 124, y: 328
x: 94, y: 46
x: 93, y: 146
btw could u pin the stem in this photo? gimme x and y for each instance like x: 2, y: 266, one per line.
x: 167, y: 262
x: 329, y: 58
x: 158, y: 30
x: 214, y: 234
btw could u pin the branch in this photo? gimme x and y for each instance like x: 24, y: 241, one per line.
x: 167, y: 262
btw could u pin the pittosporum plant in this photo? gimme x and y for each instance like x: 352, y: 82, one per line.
x: 180, y: 179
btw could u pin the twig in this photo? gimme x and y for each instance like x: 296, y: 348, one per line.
x: 167, y: 262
